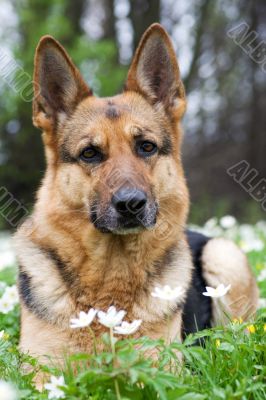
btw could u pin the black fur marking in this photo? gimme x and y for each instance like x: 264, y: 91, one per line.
x: 160, y: 265
x: 67, y: 274
x: 93, y: 213
x: 26, y: 292
x: 178, y: 307
x: 112, y: 112
x: 65, y: 156
x: 197, y: 311
x: 163, y: 262
x: 167, y: 146
x: 97, y: 222
x: 25, y: 289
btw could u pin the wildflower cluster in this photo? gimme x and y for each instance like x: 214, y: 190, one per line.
x: 110, y: 319
x: 249, y: 237
x: 9, y: 299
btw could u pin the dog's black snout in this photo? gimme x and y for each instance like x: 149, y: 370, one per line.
x: 129, y: 201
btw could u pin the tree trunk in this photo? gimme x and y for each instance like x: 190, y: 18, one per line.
x: 201, y: 26
x: 143, y: 13
x: 256, y: 143
x: 109, y: 21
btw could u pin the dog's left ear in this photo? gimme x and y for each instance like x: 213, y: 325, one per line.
x: 58, y: 85
x: 154, y: 72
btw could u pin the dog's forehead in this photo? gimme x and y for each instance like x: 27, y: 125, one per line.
x: 125, y: 110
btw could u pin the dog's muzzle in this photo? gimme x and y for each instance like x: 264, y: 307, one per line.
x: 129, y: 211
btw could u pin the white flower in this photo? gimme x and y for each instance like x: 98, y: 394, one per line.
x: 220, y: 291
x: 11, y: 293
x: 112, y: 317
x: 128, y: 329
x: 262, y: 275
x: 211, y: 228
x: 227, y: 221
x: 9, y: 299
x: 247, y: 232
x: 262, y: 303
x: 54, y: 387
x: 167, y: 293
x: 261, y: 225
x: 252, y: 245
x: 84, y: 319
x: 7, y: 259
x: 7, y: 391
x: 211, y: 223
x: 6, y: 305
x: 2, y: 334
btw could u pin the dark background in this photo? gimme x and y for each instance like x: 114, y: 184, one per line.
x: 226, y: 118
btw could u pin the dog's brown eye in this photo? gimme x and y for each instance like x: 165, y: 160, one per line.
x: 146, y: 149
x: 90, y: 154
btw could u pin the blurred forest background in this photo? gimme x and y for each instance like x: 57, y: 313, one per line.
x: 226, y: 117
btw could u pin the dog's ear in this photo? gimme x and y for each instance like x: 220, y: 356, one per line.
x: 154, y: 71
x: 58, y: 85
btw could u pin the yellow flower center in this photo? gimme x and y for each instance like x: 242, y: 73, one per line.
x: 251, y: 328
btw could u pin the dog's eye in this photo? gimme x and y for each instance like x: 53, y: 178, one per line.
x: 90, y: 154
x: 146, y: 149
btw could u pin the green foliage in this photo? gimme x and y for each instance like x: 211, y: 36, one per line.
x: 8, y: 275
x: 231, y: 366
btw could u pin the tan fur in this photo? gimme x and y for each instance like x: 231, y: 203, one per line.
x: 224, y: 262
x: 67, y: 263
x: 48, y: 340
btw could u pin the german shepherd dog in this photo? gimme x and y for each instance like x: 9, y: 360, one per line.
x: 109, y: 223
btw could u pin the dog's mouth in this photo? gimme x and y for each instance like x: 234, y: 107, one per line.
x: 136, y: 225
x: 112, y: 221
x: 107, y: 223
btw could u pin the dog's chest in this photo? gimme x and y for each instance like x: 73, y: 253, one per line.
x: 113, y: 281
x: 130, y: 286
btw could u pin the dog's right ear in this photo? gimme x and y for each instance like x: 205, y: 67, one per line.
x: 58, y: 85
x: 154, y: 72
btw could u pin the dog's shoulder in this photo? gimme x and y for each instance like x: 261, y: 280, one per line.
x: 41, y: 287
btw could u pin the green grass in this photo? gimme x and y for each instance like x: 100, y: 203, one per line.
x: 231, y: 365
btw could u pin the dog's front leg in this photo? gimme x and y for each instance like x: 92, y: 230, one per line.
x: 168, y: 329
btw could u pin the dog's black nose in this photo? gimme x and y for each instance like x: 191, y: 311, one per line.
x: 129, y: 201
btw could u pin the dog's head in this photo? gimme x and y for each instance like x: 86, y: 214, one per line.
x: 117, y: 159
